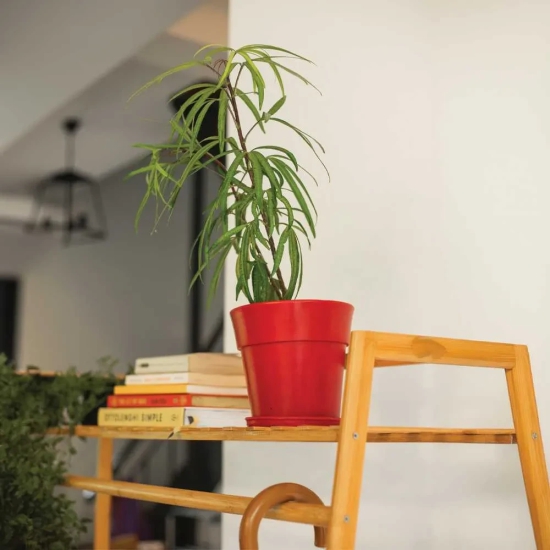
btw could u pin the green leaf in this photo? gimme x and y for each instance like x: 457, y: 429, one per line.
x: 229, y: 66
x: 271, y: 202
x: 244, y: 269
x: 214, y: 48
x: 188, y: 89
x: 256, y: 75
x: 289, y: 209
x: 142, y: 205
x: 229, y: 176
x: 225, y: 239
x: 222, y: 120
x: 252, y: 108
x: 194, y: 163
x: 288, y: 154
x: 260, y: 282
x: 268, y: 47
x: 198, y: 120
x: 195, y: 103
x: 273, y: 67
x: 276, y: 107
x: 161, y: 77
x: 300, y: 227
x: 272, y: 175
x: 280, y: 250
x: 218, y: 270
x: 257, y: 176
x: 257, y: 234
x: 291, y: 178
x: 295, y: 266
x: 307, y: 139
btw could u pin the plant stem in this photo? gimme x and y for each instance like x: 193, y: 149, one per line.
x: 280, y: 288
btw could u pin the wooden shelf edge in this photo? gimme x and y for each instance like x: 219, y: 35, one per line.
x: 311, y: 514
x: 376, y: 434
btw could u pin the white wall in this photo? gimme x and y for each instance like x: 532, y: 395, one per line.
x: 78, y: 43
x: 436, y: 118
x: 124, y: 297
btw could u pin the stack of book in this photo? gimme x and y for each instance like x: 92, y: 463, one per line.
x: 205, y: 390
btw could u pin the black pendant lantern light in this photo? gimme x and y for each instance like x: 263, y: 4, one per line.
x: 79, y: 223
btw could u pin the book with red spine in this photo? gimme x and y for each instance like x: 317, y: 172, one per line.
x: 177, y: 400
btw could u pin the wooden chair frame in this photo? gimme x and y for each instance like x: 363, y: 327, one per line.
x: 367, y: 351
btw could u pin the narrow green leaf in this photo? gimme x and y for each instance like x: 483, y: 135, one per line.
x: 229, y: 177
x: 288, y: 154
x: 218, y: 270
x: 268, y: 171
x: 280, y: 250
x: 200, y: 86
x: 289, y: 209
x: 305, y: 136
x: 268, y: 47
x: 213, y: 48
x: 194, y: 163
x: 226, y: 238
x: 269, y: 60
x: 138, y: 171
x: 257, y: 176
x: 276, y: 106
x: 229, y: 66
x: 257, y: 232
x: 244, y: 268
x: 307, y: 139
x: 260, y: 282
x: 142, y: 205
x: 300, y: 227
x: 252, y: 108
x: 295, y: 261
x: 271, y: 202
x: 161, y: 77
x: 256, y: 75
x: 295, y: 188
x: 198, y: 120
x: 222, y: 119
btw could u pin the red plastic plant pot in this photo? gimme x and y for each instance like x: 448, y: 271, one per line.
x: 294, y: 354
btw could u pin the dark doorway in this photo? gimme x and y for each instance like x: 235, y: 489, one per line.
x: 8, y: 316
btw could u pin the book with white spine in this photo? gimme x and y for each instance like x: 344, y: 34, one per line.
x: 205, y: 363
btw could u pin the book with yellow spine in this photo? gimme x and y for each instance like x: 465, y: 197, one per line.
x: 172, y: 417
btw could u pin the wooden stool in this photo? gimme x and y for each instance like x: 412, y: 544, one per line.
x: 372, y: 349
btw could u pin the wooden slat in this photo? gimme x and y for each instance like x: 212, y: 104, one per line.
x: 348, y: 475
x: 376, y: 434
x: 503, y: 436
x: 402, y: 349
x: 531, y: 451
x: 300, y: 434
x: 311, y: 514
x: 102, y: 515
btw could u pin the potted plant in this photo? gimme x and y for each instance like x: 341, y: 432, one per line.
x: 34, y: 515
x: 293, y: 350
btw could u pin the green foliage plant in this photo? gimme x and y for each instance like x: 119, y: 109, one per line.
x: 263, y: 209
x: 33, y: 515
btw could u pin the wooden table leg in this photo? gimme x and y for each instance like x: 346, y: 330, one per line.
x: 531, y: 451
x: 102, y: 516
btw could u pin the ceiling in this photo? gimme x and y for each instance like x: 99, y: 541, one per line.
x: 31, y: 143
